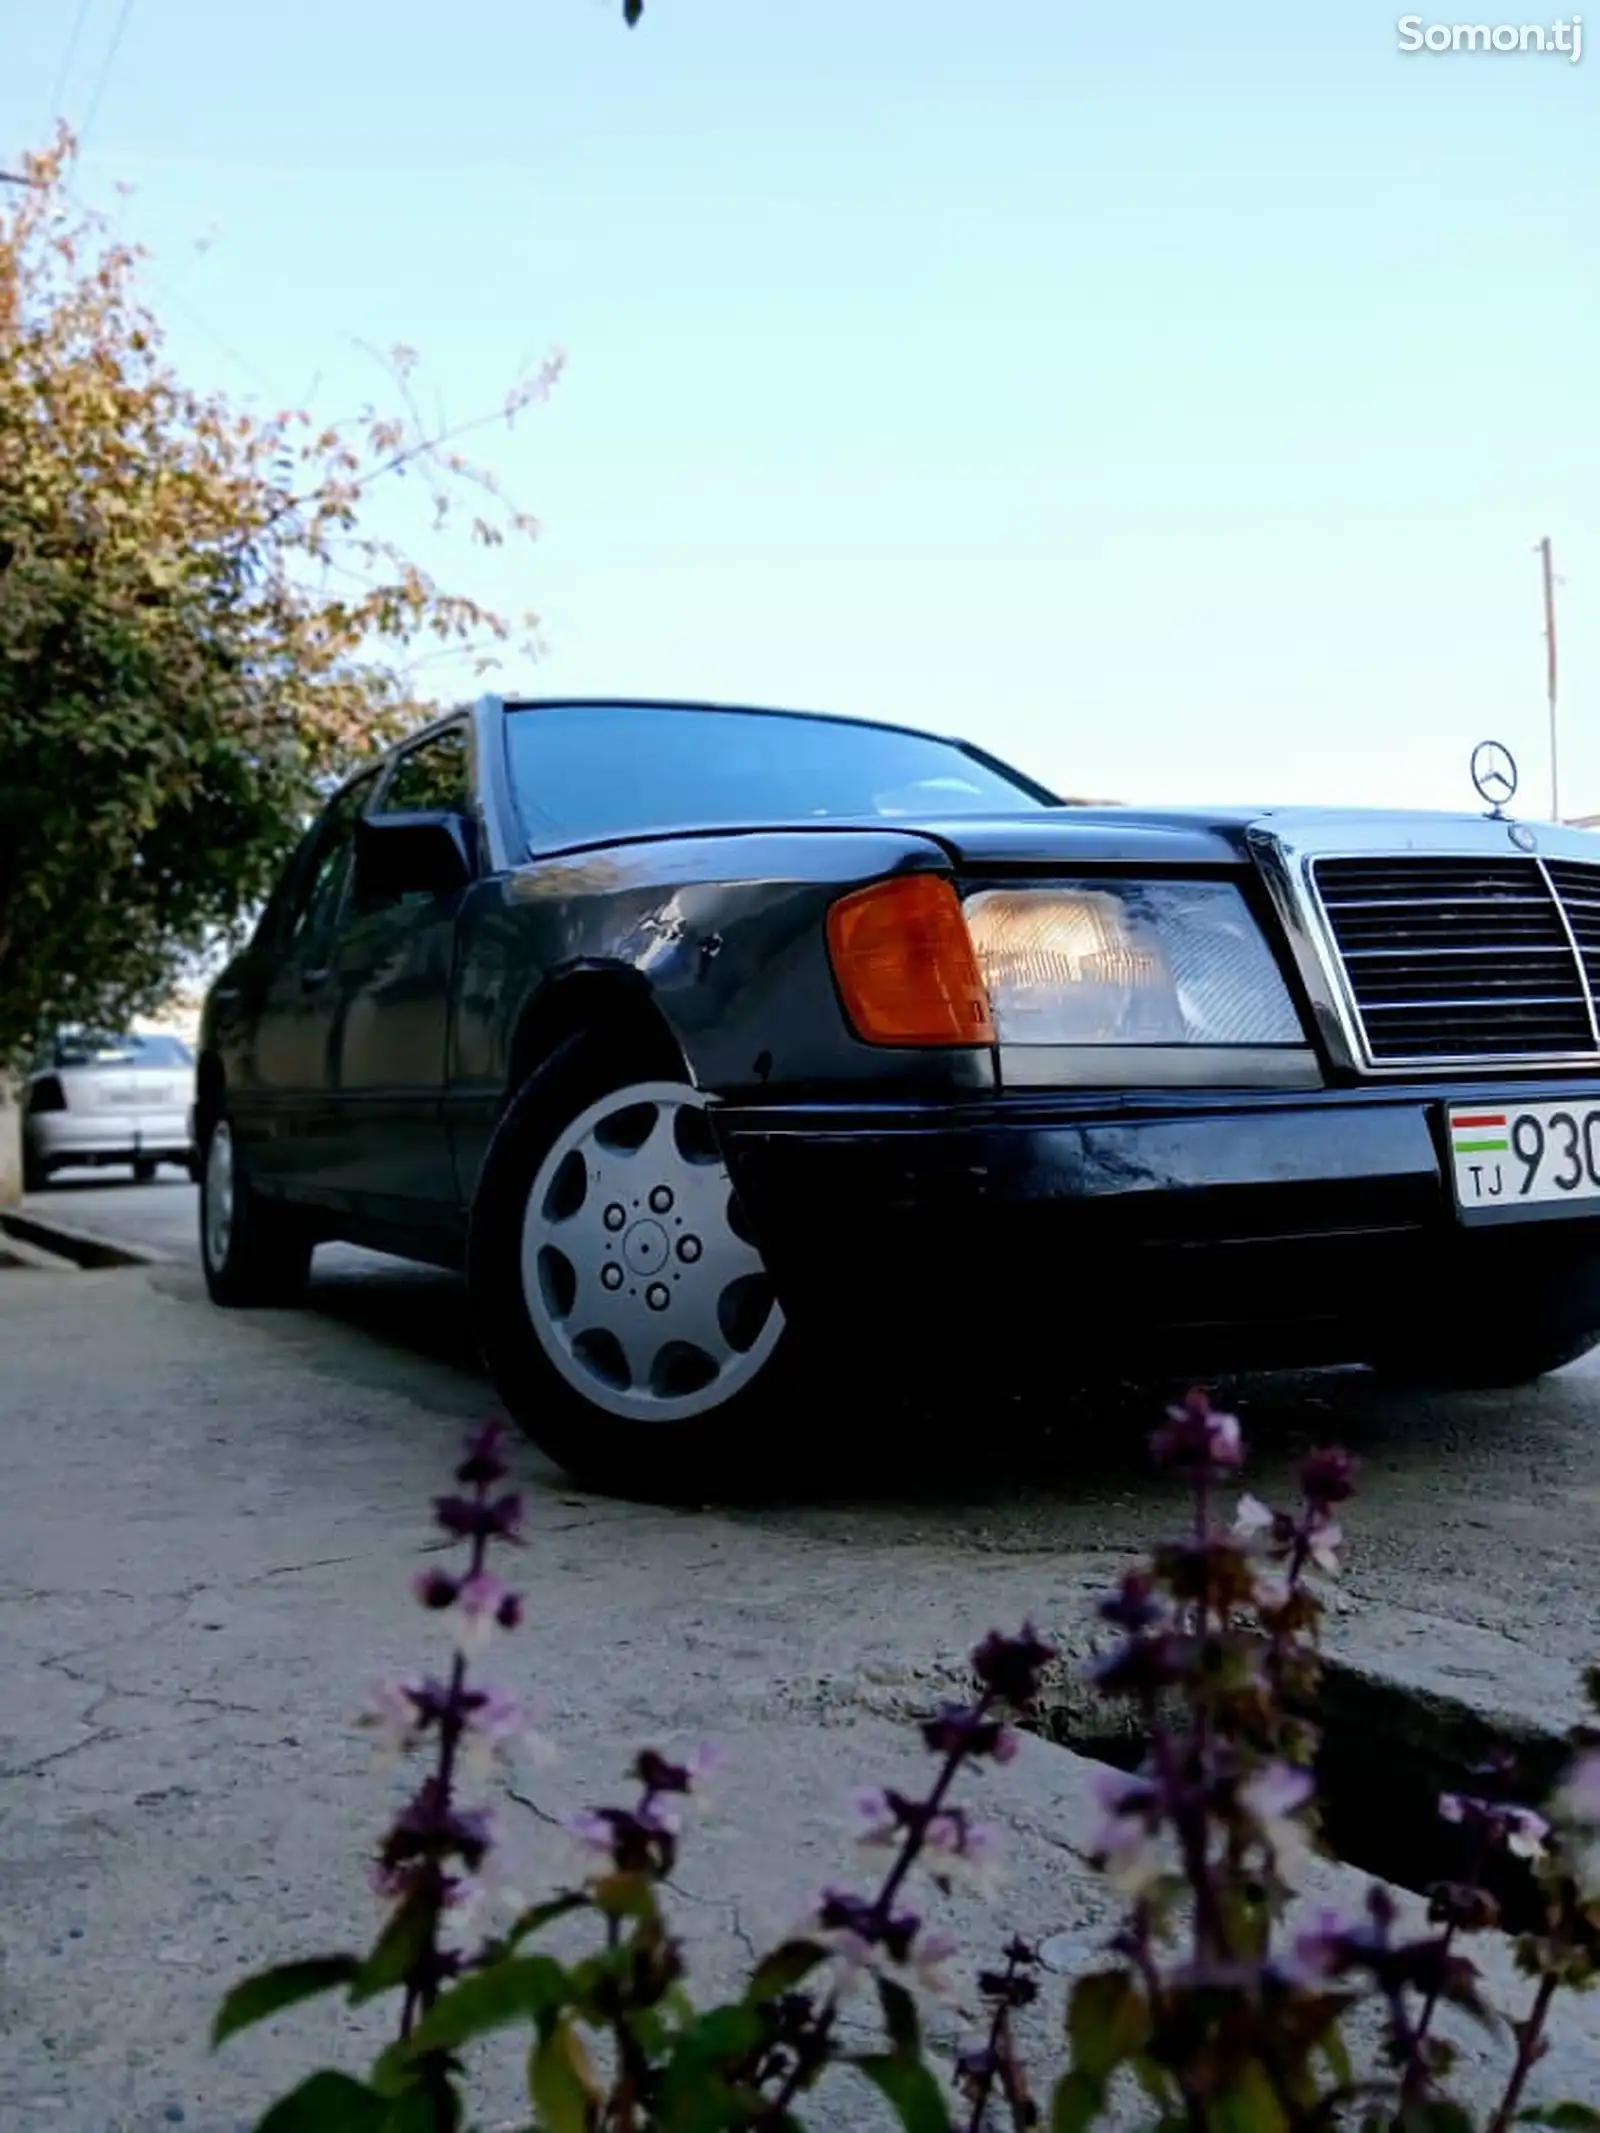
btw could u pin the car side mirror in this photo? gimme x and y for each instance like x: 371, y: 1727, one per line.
x: 410, y: 855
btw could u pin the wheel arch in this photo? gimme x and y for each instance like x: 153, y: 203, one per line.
x: 603, y: 1000
x: 209, y: 1084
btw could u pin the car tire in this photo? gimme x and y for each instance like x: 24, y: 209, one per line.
x: 35, y: 1170
x: 144, y: 1171
x: 252, y: 1251
x: 1484, y: 1362
x: 195, y: 1166
x: 624, y: 1314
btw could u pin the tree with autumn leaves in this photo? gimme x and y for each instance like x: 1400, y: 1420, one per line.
x: 199, y: 626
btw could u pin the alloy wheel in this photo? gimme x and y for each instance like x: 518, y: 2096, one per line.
x: 643, y: 1288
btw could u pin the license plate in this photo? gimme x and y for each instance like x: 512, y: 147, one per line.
x: 1535, y: 1158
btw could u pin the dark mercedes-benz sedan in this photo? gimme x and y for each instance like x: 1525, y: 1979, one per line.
x: 726, y: 1048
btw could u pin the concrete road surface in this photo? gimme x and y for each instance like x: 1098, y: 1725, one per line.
x: 206, y: 1533
x: 161, y: 1217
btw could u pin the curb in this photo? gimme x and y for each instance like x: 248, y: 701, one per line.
x: 15, y: 1253
x: 80, y: 1247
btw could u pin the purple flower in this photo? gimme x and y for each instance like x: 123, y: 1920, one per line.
x: 1324, y: 1542
x: 1125, y: 1849
x: 961, y: 1849
x: 485, y: 1462
x: 498, y: 1727
x: 1517, y: 1830
x: 1578, y: 1798
x: 391, y: 1883
x: 431, y: 1826
x: 660, y: 1814
x: 929, y: 1954
x: 481, y: 1603
x: 467, y: 1519
x: 592, y: 1830
x: 962, y: 1729
x: 1576, y: 1808
x: 391, y: 1713
x: 842, y: 1911
x: 459, y: 1516
x: 435, y: 1589
x: 1323, y: 1950
x: 1462, y: 1905
x: 1328, y: 1477
x: 878, y: 1814
x: 1135, y: 1605
x: 656, y: 1773
x: 1273, y: 1798
x: 1010, y: 1667
x: 1141, y: 1667
x: 1196, y: 1438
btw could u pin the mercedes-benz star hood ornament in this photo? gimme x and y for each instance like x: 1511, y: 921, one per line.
x: 1494, y: 772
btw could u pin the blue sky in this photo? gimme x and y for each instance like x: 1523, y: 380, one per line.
x: 1168, y: 397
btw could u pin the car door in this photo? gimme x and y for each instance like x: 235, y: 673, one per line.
x: 392, y: 971
x: 285, y: 1107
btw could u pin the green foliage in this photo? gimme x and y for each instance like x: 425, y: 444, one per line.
x: 332, y: 2103
x: 270, y: 1991
x: 197, y: 625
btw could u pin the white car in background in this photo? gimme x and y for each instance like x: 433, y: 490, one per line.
x: 97, y: 1099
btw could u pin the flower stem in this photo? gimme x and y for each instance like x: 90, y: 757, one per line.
x: 1530, y: 2043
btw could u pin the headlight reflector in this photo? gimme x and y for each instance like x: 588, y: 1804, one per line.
x: 1129, y: 962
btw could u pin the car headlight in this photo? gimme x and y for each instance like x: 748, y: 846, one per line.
x: 1128, y: 962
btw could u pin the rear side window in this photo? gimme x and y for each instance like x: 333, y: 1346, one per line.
x: 316, y: 905
x: 430, y: 778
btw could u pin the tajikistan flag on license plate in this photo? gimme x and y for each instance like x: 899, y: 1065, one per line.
x: 1479, y: 1132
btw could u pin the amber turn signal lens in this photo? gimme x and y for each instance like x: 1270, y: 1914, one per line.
x: 905, y: 964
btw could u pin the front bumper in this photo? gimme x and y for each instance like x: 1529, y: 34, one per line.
x: 1203, y: 1233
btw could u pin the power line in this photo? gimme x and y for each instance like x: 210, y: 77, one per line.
x: 105, y: 70
x: 68, y: 56
x: 1551, y: 581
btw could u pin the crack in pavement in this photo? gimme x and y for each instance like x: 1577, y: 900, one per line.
x: 321, y: 1562
x: 182, y: 1602
x: 97, y: 1738
x: 19, y: 1595
x: 543, y: 1814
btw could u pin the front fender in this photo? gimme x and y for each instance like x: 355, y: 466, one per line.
x: 726, y: 933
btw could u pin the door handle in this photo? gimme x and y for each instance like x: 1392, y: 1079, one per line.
x: 311, y: 979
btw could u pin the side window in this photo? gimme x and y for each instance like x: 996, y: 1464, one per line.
x: 323, y: 882
x: 431, y: 776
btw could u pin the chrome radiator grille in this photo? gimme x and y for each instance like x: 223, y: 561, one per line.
x: 1470, y: 961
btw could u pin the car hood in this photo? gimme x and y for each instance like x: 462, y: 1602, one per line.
x: 1181, y: 836
x: 1085, y: 835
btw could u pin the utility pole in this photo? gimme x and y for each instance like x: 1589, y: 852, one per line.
x: 1548, y: 571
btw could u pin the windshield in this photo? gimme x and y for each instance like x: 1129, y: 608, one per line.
x: 91, y: 1048
x: 581, y: 772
